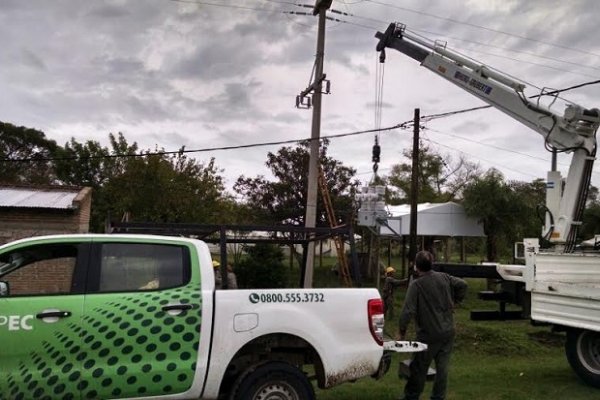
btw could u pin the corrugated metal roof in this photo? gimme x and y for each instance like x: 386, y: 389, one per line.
x: 37, y: 198
x: 404, y: 209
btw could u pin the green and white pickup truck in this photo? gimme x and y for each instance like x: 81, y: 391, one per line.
x: 137, y: 316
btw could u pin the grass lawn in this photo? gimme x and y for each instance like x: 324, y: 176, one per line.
x: 495, y: 360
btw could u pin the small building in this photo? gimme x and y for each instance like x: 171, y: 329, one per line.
x: 433, y: 219
x: 437, y: 224
x: 27, y: 211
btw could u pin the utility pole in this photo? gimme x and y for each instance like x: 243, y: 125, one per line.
x: 414, y: 190
x: 320, y: 9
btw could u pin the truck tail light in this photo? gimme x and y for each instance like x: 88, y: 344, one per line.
x: 376, y: 319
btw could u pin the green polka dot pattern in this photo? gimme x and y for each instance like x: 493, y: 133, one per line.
x: 125, y: 345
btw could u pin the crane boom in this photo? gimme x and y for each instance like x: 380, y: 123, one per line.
x: 573, y: 131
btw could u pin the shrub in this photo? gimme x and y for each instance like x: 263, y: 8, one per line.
x: 263, y: 268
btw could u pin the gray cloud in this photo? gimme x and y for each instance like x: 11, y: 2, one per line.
x: 216, y: 61
x: 32, y: 60
x: 472, y: 126
x: 109, y: 11
x: 175, y: 74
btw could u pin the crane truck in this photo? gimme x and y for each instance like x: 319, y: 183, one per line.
x: 562, y: 284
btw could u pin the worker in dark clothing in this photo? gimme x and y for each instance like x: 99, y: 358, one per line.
x: 430, y: 301
x: 231, y: 278
x: 389, y: 284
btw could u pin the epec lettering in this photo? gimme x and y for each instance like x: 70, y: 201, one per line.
x: 16, y: 322
x: 473, y: 82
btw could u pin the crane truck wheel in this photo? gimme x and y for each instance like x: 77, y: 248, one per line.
x: 274, y: 380
x: 583, y: 352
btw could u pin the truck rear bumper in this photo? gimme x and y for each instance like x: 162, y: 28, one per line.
x: 400, y: 346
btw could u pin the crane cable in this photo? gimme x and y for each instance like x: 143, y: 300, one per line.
x: 379, y: 75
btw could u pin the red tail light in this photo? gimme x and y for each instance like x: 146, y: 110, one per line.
x: 376, y: 319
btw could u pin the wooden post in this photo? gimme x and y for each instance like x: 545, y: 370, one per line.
x: 414, y: 189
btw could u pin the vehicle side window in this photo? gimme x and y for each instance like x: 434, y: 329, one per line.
x: 39, y: 270
x: 128, y: 267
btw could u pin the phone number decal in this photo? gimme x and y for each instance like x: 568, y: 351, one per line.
x: 286, y: 298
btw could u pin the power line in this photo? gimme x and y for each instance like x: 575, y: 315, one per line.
x: 468, y: 41
x: 497, y: 147
x: 483, y: 27
x: 503, y: 166
x: 451, y: 113
x: 477, y: 62
x: 352, y: 2
x: 485, y: 144
x: 421, y: 30
x: 403, y: 125
x: 466, y: 110
x: 537, y: 64
x: 479, y: 44
x: 506, y: 49
x: 290, y: 3
x: 206, y: 3
x: 569, y: 88
x: 381, y: 21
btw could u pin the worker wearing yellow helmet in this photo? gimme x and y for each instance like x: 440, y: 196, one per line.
x: 217, y: 272
x: 389, y: 284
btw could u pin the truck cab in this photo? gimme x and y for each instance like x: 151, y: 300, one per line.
x: 82, y: 318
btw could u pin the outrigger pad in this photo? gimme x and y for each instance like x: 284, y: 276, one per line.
x: 404, y: 370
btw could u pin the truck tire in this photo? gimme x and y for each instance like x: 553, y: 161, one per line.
x: 274, y: 380
x: 583, y: 352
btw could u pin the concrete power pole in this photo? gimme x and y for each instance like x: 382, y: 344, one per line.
x: 321, y: 7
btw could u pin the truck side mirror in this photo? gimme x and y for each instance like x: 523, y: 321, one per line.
x: 3, y: 289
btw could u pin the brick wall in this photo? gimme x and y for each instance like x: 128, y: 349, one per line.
x: 83, y: 205
x: 43, y: 277
x: 17, y: 223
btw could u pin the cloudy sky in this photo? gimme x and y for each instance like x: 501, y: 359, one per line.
x: 222, y: 73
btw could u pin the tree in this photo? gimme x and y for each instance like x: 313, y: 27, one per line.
x: 490, y: 199
x: 144, y: 186
x: 285, y: 198
x: 530, y: 199
x: 440, y: 178
x: 591, y: 215
x: 21, y: 143
x: 263, y: 268
x: 162, y: 188
x: 91, y: 164
x: 591, y: 222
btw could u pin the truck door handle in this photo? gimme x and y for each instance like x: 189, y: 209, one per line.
x: 177, y: 307
x: 53, y: 314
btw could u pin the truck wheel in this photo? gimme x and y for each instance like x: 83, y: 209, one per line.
x: 583, y: 352
x: 273, y: 380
